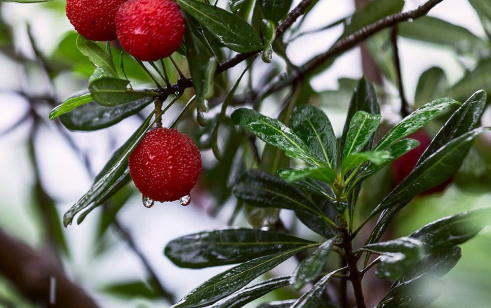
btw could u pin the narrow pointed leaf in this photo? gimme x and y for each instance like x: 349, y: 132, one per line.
x: 275, y: 10
x: 356, y: 159
x: 324, y: 174
x: 228, y: 246
x: 109, y: 91
x: 69, y: 105
x: 311, y: 267
x: 96, y: 55
x: 234, y: 279
x: 312, y: 125
x: 247, y: 295
x: 312, y: 297
x: 432, y: 84
x: 363, y: 125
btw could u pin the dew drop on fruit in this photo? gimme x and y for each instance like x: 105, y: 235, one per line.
x: 185, y: 200
x: 147, y: 202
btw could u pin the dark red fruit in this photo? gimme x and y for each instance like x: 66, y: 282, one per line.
x: 403, y: 166
x: 94, y: 19
x: 165, y: 165
x: 150, y: 29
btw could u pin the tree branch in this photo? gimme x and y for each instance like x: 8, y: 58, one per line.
x: 32, y: 273
x: 354, y: 275
x: 405, y: 109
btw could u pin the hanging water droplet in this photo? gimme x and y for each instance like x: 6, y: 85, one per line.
x: 410, y: 20
x: 69, y: 225
x: 147, y: 202
x: 185, y: 200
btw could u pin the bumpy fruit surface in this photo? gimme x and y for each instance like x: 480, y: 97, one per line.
x: 150, y: 29
x: 94, y: 19
x: 403, y: 166
x: 165, y: 165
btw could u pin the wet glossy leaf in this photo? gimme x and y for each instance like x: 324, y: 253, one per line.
x: 114, y: 171
x: 113, y: 91
x: 96, y: 55
x: 269, y: 32
x: 228, y: 246
x: 313, y: 127
x: 275, y: 10
x: 93, y: 116
x: 69, y: 105
x: 273, y: 132
x: 362, y: 126
x: 415, y: 121
x: 434, y: 170
x: 416, y: 293
x: 397, y: 256
x: 357, y: 159
x: 454, y: 230
x: 247, y: 295
x: 432, y: 84
x: 324, y: 174
x: 311, y: 267
x: 314, y: 186
x: 229, y: 29
x: 232, y: 280
x: 261, y: 189
x: 290, y: 302
x: 318, y: 224
x: 311, y: 298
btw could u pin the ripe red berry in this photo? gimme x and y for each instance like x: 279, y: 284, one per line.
x: 94, y: 19
x: 150, y: 29
x: 165, y: 165
x: 403, y: 166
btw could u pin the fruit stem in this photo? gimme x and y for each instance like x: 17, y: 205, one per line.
x: 158, y: 112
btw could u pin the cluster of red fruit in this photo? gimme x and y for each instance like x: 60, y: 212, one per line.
x: 147, y: 29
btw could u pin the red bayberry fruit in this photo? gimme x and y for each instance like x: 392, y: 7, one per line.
x: 150, y: 29
x: 94, y: 19
x: 403, y: 166
x: 165, y: 165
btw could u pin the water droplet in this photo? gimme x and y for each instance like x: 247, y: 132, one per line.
x: 69, y: 225
x: 147, y: 202
x: 185, y: 200
x: 410, y: 20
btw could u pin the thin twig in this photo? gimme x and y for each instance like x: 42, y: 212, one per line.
x: 369, y: 266
x: 405, y: 109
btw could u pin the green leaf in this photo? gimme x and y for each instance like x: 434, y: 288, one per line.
x: 381, y: 50
x: 313, y: 186
x: 363, y: 125
x: 317, y: 223
x: 264, y: 190
x: 109, y: 91
x: 323, y: 174
x: 229, y: 29
x: 290, y: 302
x: 311, y: 267
x: 273, y: 132
x: 364, y: 99
x: 454, y: 230
x: 311, y: 298
x: 228, y: 246
x: 269, y: 32
x: 275, y: 10
x: 69, y: 105
x: 434, y: 170
x: 478, y: 78
x: 436, y: 31
x: 483, y: 9
x: 27, y: 1
x: 113, y: 172
x: 132, y: 289
x: 415, y: 121
x: 313, y: 127
x: 247, y: 295
x: 418, y: 292
x: 397, y: 256
x: 432, y: 84
x: 357, y: 159
x: 234, y: 279
x: 96, y: 55
x: 93, y: 116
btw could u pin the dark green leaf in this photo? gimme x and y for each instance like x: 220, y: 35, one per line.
x: 69, y: 105
x: 311, y: 267
x: 269, y: 32
x: 247, y: 295
x: 234, y: 279
x: 229, y: 29
x: 114, y: 171
x: 416, y: 293
x: 290, y: 302
x: 363, y: 125
x: 317, y: 223
x: 273, y: 132
x: 228, y: 246
x: 397, y: 256
x: 113, y: 91
x: 96, y: 55
x: 454, y: 230
x: 478, y: 78
x: 313, y: 186
x: 415, y: 121
x: 131, y: 290
x: 356, y: 159
x: 313, y: 127
x: 93, y: 116
x: 432, y: 84
x: 275, y: 10
x: 311, y: 298
x: 264, y: 190
x: 323, y: 174
x: 381, y: 50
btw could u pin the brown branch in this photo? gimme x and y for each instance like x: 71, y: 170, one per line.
x: 354, y: 275
x: 32, y: 273
x: 405, y: 109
